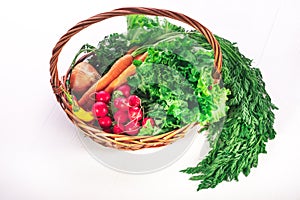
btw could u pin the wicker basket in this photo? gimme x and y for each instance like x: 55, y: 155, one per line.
x: 121, y: 141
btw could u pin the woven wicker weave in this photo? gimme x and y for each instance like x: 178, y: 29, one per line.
x: 120, y: 141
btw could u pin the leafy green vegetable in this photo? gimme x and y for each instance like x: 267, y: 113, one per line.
x: 249, y: 122
x: 167, y: 96
x: 176, y: 88
x: 106, y: 53
x: 148, y: 129
x: 143, y: 30
x: 110, y: 49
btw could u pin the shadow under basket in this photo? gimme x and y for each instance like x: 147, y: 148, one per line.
x: 123, y: 141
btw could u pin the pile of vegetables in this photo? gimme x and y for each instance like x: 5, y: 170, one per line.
x: 169, y: 73
x: 156, y: 77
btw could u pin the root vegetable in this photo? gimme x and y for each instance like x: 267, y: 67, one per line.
x: 118, y: 128
x: 105, y: 122
x: 118, y: 67
x: 125, y: 89
x: 146, y: 119
x: 135, y: 113
x: 122, y: 78
x: 134, y: 100
x: 121, y: 103
x: 121, y: 117
x: 132, y: 128
x: 100, y: 109
x: 102, y: 96
x: 83, y: 76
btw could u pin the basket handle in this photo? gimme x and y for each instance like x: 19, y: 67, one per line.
x: 56, y: 83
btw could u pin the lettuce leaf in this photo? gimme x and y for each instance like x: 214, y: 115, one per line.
x: 176, y: 86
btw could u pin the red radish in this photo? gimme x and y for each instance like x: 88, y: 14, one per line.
x: 107, y: 130
x: 121, y: 103
x: 118, y: 128
x: 100, y: 109
x: 146, y: 119
x: 132, y: 128
x: 121, y: 117
x: 104, y: 122
x: 134, y: 100
x: 125, y: 89
x: 135, y: 108
x: 102, y: 96
x: 135, y: 113
x: 101, y: 104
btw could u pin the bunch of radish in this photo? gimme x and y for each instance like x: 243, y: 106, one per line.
x: 101, y: 110
x: 128, y: 113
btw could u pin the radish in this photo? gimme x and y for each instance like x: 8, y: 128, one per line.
x: 102, y: 96
x: 135, y: 113
x: 121, y: 117
x: 132, y: 128
x: 107, y: 130
x: 146, y: 119
x: 100, y: 109
x: 125, y: 89
x: 121, y: 103
x: 118, y: 128
x: 134, y: 100
x: 105, y: 122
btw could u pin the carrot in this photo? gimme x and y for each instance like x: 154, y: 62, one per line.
x: 130, y: 51
x: 118, y: 67
x: 141, y: 57
x: 122, y: 78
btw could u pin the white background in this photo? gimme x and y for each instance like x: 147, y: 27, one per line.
x: 41, y: 156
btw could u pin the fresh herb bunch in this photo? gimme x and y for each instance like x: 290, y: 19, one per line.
x: 249, y: 122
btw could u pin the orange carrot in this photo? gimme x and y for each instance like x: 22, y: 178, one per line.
x: 141, y: 57
x: 118, y: 67
x: 130, y: 51
x: 122, y: 78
